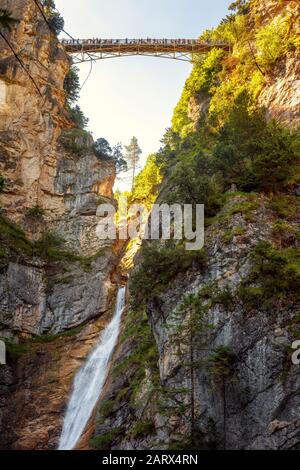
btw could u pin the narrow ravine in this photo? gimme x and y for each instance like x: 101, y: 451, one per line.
x: 89, y: 380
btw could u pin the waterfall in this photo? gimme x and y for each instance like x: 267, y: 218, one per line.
x: 89, y: 380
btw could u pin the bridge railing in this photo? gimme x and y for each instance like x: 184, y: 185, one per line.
x: 148, y: 41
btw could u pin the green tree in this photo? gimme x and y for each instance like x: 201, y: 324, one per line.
x: 132, y: 158
x: 78, y: 118
x: 147, y: 183
x: 255, y: 154
x: 55, y: 20
x: 241, y: 7
x: 72, y: 85
x: 102, y: 149
x: 118, y: 158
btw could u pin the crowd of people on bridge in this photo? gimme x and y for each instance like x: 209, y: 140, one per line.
x: 116, y: 42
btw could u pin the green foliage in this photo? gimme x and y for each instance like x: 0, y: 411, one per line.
x: 13, y: 238
x: 203, y: 79
x: 193, y: 182
x: 275, y: 276
x: 141, y: 429
x: 72, y: 85
x: 36, y: 212
x: 143, y: 352
x: 51, y: 247
x: 143, y: 357
x: 220, y: 363
x: 77, y: 117
x: 14, y: 350
x: 241, y: 7
x: 285, y: 206
x: 275, y: 39
x: 285, y: 233
x: 230, y: 29
x: 106, y: 440
x: 105, y: 408
x: 147, y: 183
x: 50, y: 338
x: 77, y: 141
x: 159, y: 266
x: 119, y: 159
x: 254, y: 154
x: 245, y: 207
x: 132, y: 158
x: 49, y: 244
x: 55, y: 20
x: 103, y: 151
x: 227, y: 237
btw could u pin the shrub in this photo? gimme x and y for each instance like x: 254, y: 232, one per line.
x: 142, y: 429
x: 284, y: 233
x: 105, y: 408
x: 271, y: 40
x: 106, y: 440
x: 285, y: 206
x: 159, y: 266
x: 193, y: 183
x: 102, y: 149
x: 13, y: 238
x: 72, y: 85
x: 55, y: 20
x: 220, y: 362
x: 35, y: 212
x: 147, y: 183
x: 77, y: 117
x: 275, y: 275
x: 203, y: 79
x: 254, y: 154
x: 49, y: 244
x: 77, y: 141
x: 65, y: 334
x: 56, y: 23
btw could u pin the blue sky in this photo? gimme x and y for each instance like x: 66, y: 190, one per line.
x: 136, y: 95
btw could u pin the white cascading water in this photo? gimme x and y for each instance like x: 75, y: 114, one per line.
x: 89, y: 380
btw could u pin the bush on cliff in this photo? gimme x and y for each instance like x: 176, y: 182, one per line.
x: 275, y: 276
x: 159, y: 266
x: 72, y: 85
x: 55, y: 20
x: 255, y: 154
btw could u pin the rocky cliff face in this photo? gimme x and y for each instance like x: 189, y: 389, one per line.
x: 226, y: 380
x: 55, y: 273
x: 210, y: 355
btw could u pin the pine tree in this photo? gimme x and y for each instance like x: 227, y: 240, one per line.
x: 118, y: 158
x: 132, y: 157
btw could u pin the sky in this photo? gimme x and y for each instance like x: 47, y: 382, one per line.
x: 131, y: 96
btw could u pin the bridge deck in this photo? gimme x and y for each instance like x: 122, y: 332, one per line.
x: 99, y: 49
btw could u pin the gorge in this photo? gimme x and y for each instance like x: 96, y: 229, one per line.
x: 197, y: 353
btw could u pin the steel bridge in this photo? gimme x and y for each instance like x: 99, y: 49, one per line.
x: 85, y: 50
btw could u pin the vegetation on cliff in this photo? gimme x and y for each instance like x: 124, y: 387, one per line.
x: 223, y: 151
x: 230, y: 143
